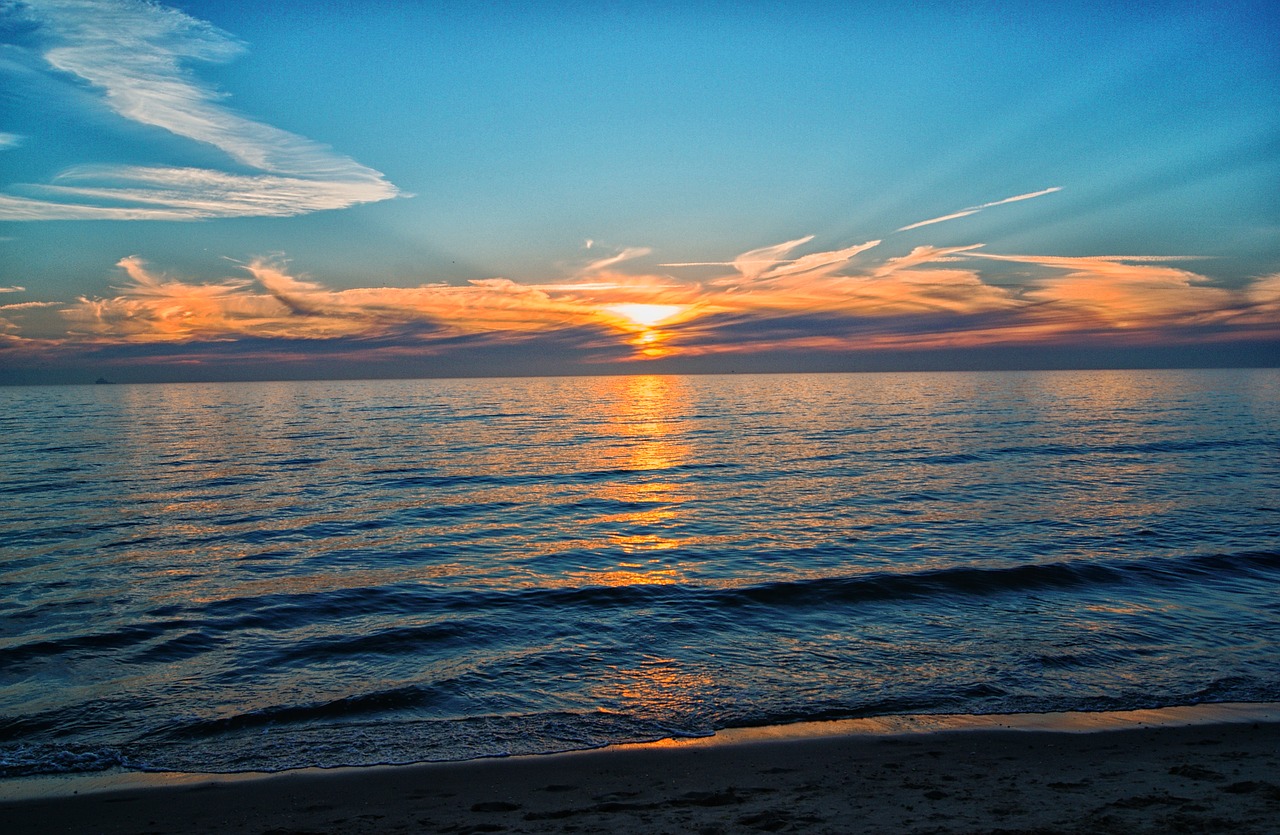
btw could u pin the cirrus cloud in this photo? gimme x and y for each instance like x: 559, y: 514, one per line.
x: 136, y: 55
x: 973, y: 210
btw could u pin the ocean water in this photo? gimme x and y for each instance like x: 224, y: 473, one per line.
x: 263, y: 576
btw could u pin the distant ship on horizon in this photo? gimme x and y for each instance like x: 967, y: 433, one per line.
x: 103, y: 381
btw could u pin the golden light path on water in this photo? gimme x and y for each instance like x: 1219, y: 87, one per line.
x: 643, y: 407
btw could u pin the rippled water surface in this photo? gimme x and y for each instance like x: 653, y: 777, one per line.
x: 271, y: 575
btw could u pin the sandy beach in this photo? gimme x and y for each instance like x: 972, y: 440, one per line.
x: 1148, y: 772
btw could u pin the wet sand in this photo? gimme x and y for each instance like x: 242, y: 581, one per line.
x: 1147, y: 772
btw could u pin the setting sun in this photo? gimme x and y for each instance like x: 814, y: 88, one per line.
x: 647, y: 315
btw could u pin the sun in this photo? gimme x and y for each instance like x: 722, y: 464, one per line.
x: 646, y: 315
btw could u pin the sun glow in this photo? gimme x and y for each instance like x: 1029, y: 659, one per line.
x: 646, y: 315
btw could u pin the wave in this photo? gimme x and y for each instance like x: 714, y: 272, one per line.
x: 418, y: 478
x: 972, y: 581
x: 1162, y: 447
x: 199, y: 627
x: 354, y: 705
x: 305, y: 736
x: 40, y: 759
x: 356, y: 731
x: 887, y: 585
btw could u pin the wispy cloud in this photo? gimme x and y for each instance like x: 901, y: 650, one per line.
x: 26, y: 208
x: 975, y: 209
x: 815, y: 264
x: 135, y: 53
x: 1018, y: 197
x: 14, y: 289
x: 625, y: 255
x: 767, y: 263
x: 9, y: 140
x: 183, y: 194
x: 757, y: 262
x: 751, y: 264
x: 922, y: 255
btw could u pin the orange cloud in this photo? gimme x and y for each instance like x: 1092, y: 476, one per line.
x: 1113, y: 291
x: 767, y: 298
x: 1264, y: 294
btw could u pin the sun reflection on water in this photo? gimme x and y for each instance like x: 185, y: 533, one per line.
x: 644, y: 409
x: 656, y: 685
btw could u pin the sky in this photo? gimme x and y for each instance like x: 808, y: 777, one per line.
x: 234, y: 190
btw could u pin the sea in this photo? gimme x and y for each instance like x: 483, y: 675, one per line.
x: 265, y: 576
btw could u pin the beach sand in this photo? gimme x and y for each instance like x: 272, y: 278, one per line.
x: 973, y: 775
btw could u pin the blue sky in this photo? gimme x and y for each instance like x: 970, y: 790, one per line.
x: 585, y: 154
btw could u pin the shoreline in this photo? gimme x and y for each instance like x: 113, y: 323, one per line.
x: 1199, y: 768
